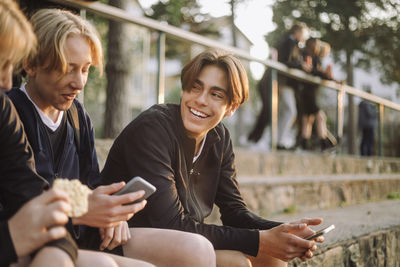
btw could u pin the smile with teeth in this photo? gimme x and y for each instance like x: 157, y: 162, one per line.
x: 198, y: 113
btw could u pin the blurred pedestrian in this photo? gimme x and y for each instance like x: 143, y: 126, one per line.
x: 290, y: 54
x: 314, y: 51
x: 367, y: 121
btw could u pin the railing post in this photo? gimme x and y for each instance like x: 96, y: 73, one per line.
x: 380, y: 129
x: 274, y: 109
x: 340, y: 116
x: 161, y: 67
x: 81, y: 96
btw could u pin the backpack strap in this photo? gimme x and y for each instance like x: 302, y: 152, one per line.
x: 73, y: 117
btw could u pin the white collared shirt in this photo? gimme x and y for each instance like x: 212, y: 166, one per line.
x: 45, y: 119
x: 201, y: 149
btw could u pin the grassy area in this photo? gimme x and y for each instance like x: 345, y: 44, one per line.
x: 291, y: 209
x: 394, y: 195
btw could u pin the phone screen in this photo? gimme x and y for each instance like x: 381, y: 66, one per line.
x: 321, y: 232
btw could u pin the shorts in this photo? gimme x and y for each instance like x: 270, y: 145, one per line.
x: 67, y: 244
x: 309, y: 100
x: 90, y: 240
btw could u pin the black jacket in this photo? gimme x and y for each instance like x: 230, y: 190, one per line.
x: 18, y: 182
x: 289, y: 54
x: 367, y: 115
x: 155, y: 147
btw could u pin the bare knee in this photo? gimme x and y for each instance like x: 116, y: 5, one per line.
x: 199, y: 251
x: 232, y: 258
x: 243, y: 262
x: 52, y: 256
x: 95, y: 259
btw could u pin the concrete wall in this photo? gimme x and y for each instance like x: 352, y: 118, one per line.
x: 270, y: 198
x: 378, y: 249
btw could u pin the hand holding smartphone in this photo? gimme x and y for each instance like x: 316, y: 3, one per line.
x: 136, y: 184
x: 321, y: 232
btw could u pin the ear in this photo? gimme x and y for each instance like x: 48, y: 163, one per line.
x: 30, y: 70
x: 231, y: 110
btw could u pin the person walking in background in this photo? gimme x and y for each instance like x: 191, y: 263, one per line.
x: 290, y: 54
x: 314, y: 51
x: 367, y: 121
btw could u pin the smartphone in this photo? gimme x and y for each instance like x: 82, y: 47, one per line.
x: 321, y: 232
x: 135, y: 184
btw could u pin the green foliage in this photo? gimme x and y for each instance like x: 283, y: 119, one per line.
x: 290, y: 209
x: 367, y: 26
x: 184, y: 14
x: 394, y: 195
x: 177, y: 12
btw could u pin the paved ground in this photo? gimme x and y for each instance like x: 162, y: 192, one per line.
x: 353, y: 221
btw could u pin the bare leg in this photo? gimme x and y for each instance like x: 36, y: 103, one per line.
x: 232, y: 258
x: 128, y: 262
x: 52, y: 256
x: 22, y: 262
x: 166, y: 248
x: 321, y: 124
x: 101, y: 259
x: 265, y: 260
x: 307, y: 121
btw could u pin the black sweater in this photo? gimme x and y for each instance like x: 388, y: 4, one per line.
x: 155, y: 147
x: 18, y: 182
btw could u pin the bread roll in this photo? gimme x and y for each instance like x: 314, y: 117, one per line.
x: 77, y: 193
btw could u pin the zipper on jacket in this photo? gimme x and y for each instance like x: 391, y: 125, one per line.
x: 197, y: 209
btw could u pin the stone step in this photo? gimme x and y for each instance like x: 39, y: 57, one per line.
x: 296, y: 194
x: 253, y: 163
x: 268, y: 196
x: 365, y: 235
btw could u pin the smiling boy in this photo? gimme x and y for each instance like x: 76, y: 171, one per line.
x: 186, y: 152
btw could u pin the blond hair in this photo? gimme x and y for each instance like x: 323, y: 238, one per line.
x: 52, y: 28
x: 17, y: 39
x: 238, y: 84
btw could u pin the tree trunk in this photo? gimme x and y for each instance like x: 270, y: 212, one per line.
x: 352, y: 120
x: 118, y: 70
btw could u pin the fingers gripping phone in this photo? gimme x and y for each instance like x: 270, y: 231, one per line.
x: 135, y: 184
x: 321, y: 232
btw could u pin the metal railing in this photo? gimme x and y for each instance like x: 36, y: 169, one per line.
x: 120, y: 15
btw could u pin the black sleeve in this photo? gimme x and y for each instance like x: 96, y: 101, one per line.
x: 18, y: 181
x: 7, y: 254
x: 234, y: 211
x: 138, y: 151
